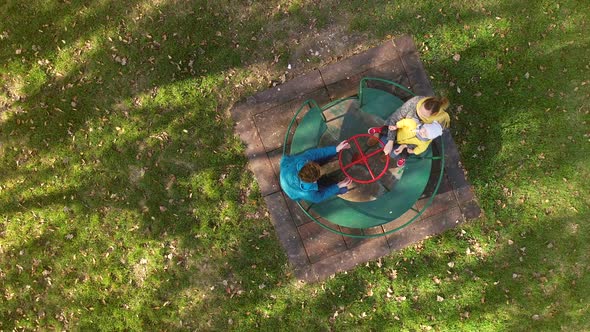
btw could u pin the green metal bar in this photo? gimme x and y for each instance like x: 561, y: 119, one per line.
x: 337, y: 101
x: 309, y: 102
x: 431, y: 158
x: 365, y: 79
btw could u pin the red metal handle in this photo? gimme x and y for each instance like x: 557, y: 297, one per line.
x: 363, y: 159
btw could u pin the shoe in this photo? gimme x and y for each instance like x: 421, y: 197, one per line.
x: 372, y: 141
x: 375, y: 130
x: 401, y: 162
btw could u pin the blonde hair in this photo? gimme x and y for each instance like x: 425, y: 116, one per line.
x: 436, y: 104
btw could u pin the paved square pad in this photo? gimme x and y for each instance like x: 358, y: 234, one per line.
x: 262, y: 121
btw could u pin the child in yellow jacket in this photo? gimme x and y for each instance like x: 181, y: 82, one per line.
x: 413, y: 136
x: 410, y: 135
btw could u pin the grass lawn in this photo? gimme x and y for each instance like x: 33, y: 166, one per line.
x: 126, y: 204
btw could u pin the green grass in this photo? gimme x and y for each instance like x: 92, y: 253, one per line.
x: 126, y: 204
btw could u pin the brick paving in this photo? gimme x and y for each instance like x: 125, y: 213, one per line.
x: 261, y: 122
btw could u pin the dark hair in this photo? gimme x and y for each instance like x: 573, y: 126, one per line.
x: 436, y: 104
x: 310, y: 172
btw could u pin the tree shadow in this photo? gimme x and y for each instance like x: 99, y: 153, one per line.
x: 131, y: 137
x: 504, y: 285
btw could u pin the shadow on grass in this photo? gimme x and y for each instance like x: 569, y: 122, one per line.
x: 497, y: 288
x: 125, y: 147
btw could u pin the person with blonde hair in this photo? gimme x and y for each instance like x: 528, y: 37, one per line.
x: 422, y: 109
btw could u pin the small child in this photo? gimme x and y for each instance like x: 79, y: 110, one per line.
x: 411, y: 135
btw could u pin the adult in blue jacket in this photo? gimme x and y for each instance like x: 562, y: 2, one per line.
x: 300, y: 174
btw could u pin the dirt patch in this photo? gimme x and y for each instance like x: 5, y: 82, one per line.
x: 307, y: 48
x: 139, y: 273
x: 325, y: 46
x: 136, y: 174
x: 12, y: 86
x: 10, y: 91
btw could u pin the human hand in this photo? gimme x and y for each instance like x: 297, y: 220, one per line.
x: 342, y: 145
x: 400, y: 149
x: 392, y: 127
x: 410, y: 150
x: 388, y: 147
x: 344, y: 183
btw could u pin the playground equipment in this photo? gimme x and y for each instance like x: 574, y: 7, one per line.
x: 378, y: 197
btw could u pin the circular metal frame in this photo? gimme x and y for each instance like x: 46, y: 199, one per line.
x: 361, y: 98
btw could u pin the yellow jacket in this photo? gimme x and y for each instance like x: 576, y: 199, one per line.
x: 406, y: 134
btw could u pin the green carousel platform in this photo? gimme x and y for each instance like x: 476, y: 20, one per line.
x: 370, y: 221
x: 366, y: 205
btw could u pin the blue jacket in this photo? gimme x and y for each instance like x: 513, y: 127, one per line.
x: 297, y: 189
